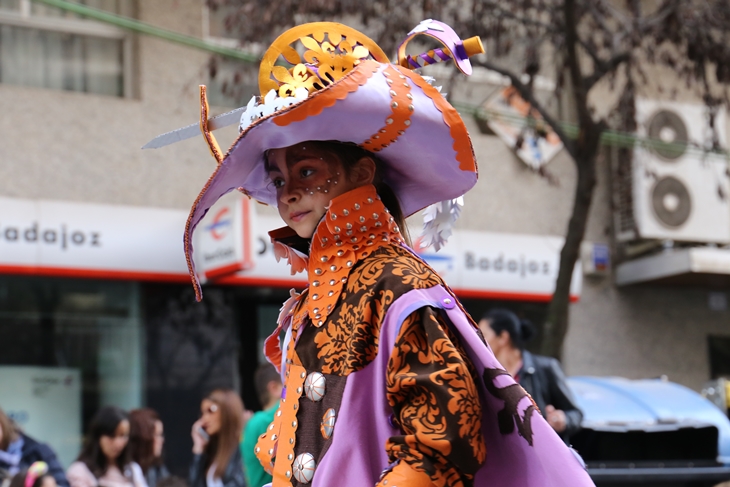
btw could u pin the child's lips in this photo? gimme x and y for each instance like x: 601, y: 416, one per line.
x: 298, y: 215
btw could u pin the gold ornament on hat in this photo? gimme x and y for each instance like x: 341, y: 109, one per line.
x: 332, y: 51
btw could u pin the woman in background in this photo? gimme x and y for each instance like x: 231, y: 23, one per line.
x: 216, y: 435
x: 105, y: 459
x: 19, y: 451
x: 146, y: 439
x: 542, y: 377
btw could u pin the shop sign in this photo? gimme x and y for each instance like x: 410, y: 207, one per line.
x: 223, y: 238
x: 232, y: 246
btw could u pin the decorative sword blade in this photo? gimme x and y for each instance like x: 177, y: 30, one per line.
x: 192, y: 130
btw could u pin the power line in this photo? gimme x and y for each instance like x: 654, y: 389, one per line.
x: 609, y: 137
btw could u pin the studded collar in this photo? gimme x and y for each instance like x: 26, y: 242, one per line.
x: 356, y: 224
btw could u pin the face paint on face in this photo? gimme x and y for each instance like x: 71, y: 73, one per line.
x: 306, y: 179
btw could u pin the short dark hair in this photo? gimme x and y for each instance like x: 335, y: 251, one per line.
x: 265, y: 374
x: 520, y: 331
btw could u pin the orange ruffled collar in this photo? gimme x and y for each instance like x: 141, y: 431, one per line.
x: 356, y: 224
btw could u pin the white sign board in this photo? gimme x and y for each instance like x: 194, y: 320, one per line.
x: 118, y: 242
x: 46, y: 403
x: 223, y: 238
x: 90, y: 240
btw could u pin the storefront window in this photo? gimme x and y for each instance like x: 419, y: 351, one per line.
x: 87, y: 329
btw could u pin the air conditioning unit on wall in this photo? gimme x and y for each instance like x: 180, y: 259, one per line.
x: 677, y: 192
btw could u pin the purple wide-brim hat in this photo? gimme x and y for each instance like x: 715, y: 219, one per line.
x: 385, y: 108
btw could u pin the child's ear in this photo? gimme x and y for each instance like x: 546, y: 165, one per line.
x: 363, y: 172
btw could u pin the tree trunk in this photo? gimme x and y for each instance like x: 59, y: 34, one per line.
x: 586, y: 154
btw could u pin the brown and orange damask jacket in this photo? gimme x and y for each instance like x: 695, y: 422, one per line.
x: 387, y: 379
x: 361, y: 401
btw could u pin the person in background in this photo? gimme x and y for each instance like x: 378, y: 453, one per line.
x: 216, y: 435
x: 542, y: 377
x: 268, y: 387
x: 146, y: 439
x: 19, y: 451
x: 105, y: 459
x: 172, y: 481
x: 37, y: 475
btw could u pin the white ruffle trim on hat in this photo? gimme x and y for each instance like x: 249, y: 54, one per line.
x: 438, y: 221
x: 271, y: 103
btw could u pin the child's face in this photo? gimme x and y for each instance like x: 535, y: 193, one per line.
x: 306, y: 178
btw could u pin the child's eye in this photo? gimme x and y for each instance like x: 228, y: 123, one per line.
x: 278, y: 183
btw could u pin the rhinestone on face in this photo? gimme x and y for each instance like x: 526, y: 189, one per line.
x: 303, y: 467
x: 327, y: 426
x: 314, y: 386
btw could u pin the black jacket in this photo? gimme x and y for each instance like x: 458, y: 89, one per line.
x: 543, y: 378
x: 34, y: 451
x: 233, y: 476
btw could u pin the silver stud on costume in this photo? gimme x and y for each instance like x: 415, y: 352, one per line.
x: 328, y: 423
x: 314, y: 386
x: 303, y: 468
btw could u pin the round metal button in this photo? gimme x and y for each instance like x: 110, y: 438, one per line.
x: 314, y: 386
x: 303, y: 468
x: 328, y: 424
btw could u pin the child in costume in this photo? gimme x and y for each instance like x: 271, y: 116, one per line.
x: 387, y: 380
